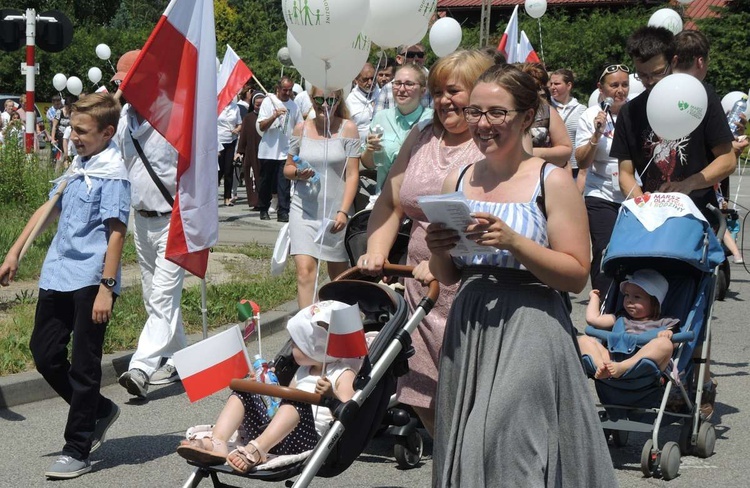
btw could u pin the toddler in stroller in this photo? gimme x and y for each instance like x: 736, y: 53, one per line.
x: 294, y: 428
x: 643, y: 294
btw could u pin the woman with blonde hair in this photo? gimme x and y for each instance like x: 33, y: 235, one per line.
x: 324, y: 191
x: 430, y: 152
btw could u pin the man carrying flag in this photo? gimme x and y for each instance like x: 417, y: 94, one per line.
x: 152, y: 171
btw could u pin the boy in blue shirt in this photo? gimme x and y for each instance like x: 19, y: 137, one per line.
x: 80, y: 279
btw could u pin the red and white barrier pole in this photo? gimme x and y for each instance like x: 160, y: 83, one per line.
x: 30, y: 85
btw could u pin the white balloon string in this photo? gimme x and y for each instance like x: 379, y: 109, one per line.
x: 112, y: 66
x: 638, y: 176
x: 541, y: 45
x: 741, y: 170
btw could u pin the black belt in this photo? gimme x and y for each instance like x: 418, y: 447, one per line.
x: 152, y: 213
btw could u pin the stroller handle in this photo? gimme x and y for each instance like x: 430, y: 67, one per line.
x: 722, y: 221
x: 292, y: 394
x: 393, y: 270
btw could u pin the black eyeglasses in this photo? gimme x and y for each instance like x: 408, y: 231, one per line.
x: 494, y: 116
x: 614, y: 68
x: 409, y: 85
x: 331, y: 101
x: 414, y: 54
x: 652, y: 76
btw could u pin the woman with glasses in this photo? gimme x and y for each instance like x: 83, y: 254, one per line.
x: 513, y: 407
x: 596, y: 129
x: 428, y: 155
x: 409, y: 84
x: 323, y: 191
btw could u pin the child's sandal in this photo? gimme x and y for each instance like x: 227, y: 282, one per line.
x: 250, y: 456
x: 194, y: 449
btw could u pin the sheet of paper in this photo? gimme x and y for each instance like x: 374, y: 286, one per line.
x: 324, y: 235
x: 452, y: 210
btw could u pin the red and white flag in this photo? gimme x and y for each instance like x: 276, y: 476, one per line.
x: 509, y: 42
x: 209, y: 365
x: 346, y: 334
x: 170, y: 84
x: 526, y: 52
x: 233, y: 75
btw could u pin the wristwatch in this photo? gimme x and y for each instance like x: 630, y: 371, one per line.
x: 109, y: 282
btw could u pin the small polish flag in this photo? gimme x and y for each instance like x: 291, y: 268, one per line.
x: 209, y: 365
x: 509, y: 42
x: 233, y: 75
x: 346, y: 334
x: 526, y: 52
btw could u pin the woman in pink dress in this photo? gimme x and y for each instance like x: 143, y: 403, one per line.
x: 431, y: 152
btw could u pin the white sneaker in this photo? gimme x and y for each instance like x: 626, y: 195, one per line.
x: 164, y: 375
x: 274, y: 204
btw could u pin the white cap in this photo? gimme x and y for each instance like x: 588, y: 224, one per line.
x: 650, y: 281
x: 309, y: 337
x: 297, y: 88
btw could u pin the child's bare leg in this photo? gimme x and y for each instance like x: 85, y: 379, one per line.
x: 658, y: 350
x: 229, y: 420
x: 598, y: 353
x: 282, y: 424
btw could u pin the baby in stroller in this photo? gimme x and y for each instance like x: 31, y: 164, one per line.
x: 643, y: 294
x: 294, y: 428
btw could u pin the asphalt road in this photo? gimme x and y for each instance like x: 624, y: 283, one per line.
x: 140, y: 450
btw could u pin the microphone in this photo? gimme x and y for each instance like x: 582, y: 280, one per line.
x: 606, y: 105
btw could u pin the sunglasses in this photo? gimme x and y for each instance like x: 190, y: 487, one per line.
x: 614, y: 68
x: 414, y: 54
x: 331, y: 101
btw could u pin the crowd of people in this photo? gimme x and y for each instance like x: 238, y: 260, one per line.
x: 543, y: 175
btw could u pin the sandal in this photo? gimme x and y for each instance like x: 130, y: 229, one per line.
x: 196, y: 450
x: 249, y: 456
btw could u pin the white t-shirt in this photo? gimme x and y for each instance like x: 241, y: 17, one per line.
x: 570, y: 114
x: 305, y: 105
x: 275, y: 141
x: 229, y: 119
x: 144, y: 194
x: 361, y: 109
x: 602, y: 177
x: 307, y: 382
x: 71, y: 147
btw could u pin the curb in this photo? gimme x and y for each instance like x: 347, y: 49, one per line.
x: 28, y: 387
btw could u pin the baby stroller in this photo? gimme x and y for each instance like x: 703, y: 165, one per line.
x: 359, y: 419
x: 683, y: 249
x: 355, y: 239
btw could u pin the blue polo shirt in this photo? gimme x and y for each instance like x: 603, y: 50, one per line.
x: 76, y: 256
x: 396, y: 127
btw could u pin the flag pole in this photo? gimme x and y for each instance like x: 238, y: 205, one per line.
x: 260, y: 84
x: 257, y: 326
x: 204, y: 309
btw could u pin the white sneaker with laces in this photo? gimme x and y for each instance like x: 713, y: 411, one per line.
x: 164, y: 375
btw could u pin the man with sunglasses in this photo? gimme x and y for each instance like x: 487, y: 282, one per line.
x: 277, y: 116
x: 690, y: 165
x: 668, y: 166
x: 414, y: 54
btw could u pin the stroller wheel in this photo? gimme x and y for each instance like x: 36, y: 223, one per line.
x: 670, y: 461
x: 408, y: 450
x: 704, y: 444
x: 648, y: 459
x: 722, y: 284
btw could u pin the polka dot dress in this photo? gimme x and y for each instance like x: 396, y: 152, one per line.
x: 256, y: 419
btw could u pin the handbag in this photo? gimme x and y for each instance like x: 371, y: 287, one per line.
x: 280, y: 251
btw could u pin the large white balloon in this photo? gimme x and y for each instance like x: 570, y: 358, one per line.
x: 636, y: 87
x: 59, y: 81
x: 74, y: 85
x: 103, y: 51
x: 325, y: 27
x: 535, y: 8
x: 667, y: 18
x: 95, y: 74
x: 417, y: 39
x: 676, y: 106
x: 730, y: 99
x: 445, y: 36
x: 283, y: 56
x: 342, y: 69
x: 391, y: 23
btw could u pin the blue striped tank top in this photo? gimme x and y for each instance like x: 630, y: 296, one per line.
x: 525, y: 218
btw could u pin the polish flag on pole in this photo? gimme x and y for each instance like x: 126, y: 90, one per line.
x: 509, y: 41
x: 172, y: 81
x: 526, y: 52
x: 232, y: 77
x: 346, y: 334
x: 209, y: 365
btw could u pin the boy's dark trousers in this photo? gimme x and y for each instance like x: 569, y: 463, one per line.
x: 58, y: 314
